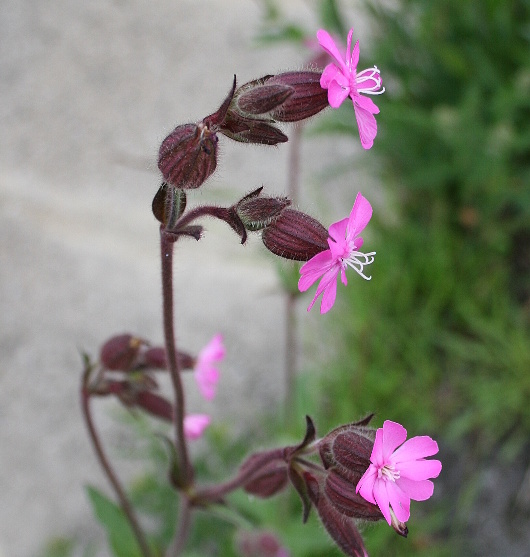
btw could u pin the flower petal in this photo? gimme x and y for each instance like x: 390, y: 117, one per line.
x: 382, y: 499
x: 313, y: 269
x: 354, y: 60
x: 328, y: 75
x: 367, y: 126
x: 195, y: 424
x: 328, y: 288
x: 377, y: 457
x: 327, y: 43
x: 365, y: 486
x: 207, y: 378
x: 419, y: 491
x: 205, y: 373
x: 366, y: 103
x: 337, y: 231
x: 329, y: 279
x: 420, y: 469
x: 415, y: 448
x: 399, y: 501
x: 214, y: 351
x: 337, y: 94
x: 360, y: 216
x: 393, y: 435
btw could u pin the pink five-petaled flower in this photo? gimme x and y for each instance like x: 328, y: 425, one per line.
x: 397, y: 475
x: 342, y: 80
x: 206, y: 374
x: 195, y: 424
x: 344, y: 243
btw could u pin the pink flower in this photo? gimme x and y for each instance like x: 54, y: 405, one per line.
x: 344, y: 243
x: 397, y: 475
x: 342, y: 80
x: 195, y: 424
x: 206, y: 374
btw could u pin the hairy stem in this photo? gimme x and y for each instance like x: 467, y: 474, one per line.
x: 125, y: 504
x: 214, y: 493
x: 202, y: 211
x: 166, y: 245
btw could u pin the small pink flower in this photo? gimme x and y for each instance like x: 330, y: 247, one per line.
x: 344, y: 243
x: 195, y: 424
x: 206, y: 374
x: 397, y: 475
x: 342, y: 80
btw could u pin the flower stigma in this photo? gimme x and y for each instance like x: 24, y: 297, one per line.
x: 357, y: 261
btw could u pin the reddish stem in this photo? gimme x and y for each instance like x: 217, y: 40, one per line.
x: 202, y: 211
x: 113, y: 479
x: 215, y: 493
x: 166, y: 247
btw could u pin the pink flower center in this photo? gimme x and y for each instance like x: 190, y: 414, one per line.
x: 388, y: 473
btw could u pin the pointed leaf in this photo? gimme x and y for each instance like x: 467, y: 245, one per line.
x: 112, y: 518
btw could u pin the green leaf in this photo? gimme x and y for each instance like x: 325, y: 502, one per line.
x: 119, y: 532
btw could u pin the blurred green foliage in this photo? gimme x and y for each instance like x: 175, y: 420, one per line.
x: 439, y: 340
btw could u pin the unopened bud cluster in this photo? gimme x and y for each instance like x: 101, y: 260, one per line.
x: 125, y: 371
x: 249, y: 114
x: 329, y: 485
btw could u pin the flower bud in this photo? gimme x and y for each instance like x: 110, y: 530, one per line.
x: 257, y: 212
x: 343, y: 532
x: 308, y: 97
x: 260, y: 544
x: 156, y: 357
x: 188, y: 155
x: 251, y: 130
x: 341, y: 494
x: 295, y: 235
x: 168, y: 204
x: 271, y: 479
x: 154, y: 404
x: 260, y: 96
x: 267, y: 472
x: 120, y: 352
x: 348, y: 449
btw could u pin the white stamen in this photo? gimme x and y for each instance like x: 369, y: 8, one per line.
x: 373, y: 75
x: 358, y: 260
x: 388, y: 472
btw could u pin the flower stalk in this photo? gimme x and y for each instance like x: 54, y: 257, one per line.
x: 166, y: 248
x: 125, y: 504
